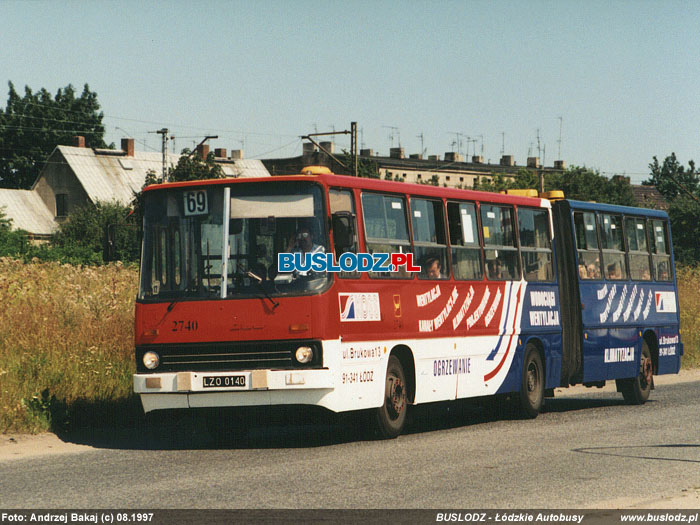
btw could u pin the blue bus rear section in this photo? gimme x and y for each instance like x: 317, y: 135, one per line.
x: 606, y: 322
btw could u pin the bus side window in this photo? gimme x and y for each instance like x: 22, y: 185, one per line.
x: 535, y: 245
x: 500, y: 250
x: 637, y: 248
x: 386, y: 229
x: 587, y: 245
x: 430, y: 245
x: 660, y: 253
x: 342, y: 201
x: 464, y: 241
x: 611, y: 241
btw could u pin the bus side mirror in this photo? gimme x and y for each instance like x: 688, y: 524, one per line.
x: 343, y: 223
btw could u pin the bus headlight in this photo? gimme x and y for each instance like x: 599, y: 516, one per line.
x: 304, y: 354
x: 151, y: 360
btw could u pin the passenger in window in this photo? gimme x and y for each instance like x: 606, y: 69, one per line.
x: 495, y: 269
x: 663, y: 272
x: 593, y: 271
x: 645, y: 275
x: 433, y: 268
x: 582, y: 272
x: 614, y: 272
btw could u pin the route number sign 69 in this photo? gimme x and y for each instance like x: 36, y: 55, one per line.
x: 196, y: 203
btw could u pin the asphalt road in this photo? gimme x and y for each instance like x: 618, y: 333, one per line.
x: 582, y: 451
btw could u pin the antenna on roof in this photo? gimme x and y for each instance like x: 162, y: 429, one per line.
x: 394, y: 131
x: 559, y: 141
x: 422, y: 149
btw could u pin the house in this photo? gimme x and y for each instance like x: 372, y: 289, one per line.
x: 76, y: 175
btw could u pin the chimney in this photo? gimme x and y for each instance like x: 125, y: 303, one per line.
x: 396, y: 153
x: 328, y: 146
x: 220, y: 153
x: 366, y: 153
x: 559, y: 165
x: 236, y: 154
x: 533, y: 162
x: 128, y: 147
x: 417, y: 156
x: 433, y: 157
x: 507, y: 160
x: 477, y: 159
x: 79, y: 141
x: 308, y: 148
x: 203, y: 150
x: 451, y: 156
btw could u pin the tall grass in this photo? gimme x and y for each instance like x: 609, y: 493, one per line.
x: 66, y: 343
x: 689, y: 304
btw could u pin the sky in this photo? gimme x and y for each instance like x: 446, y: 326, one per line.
x: 604, y: 84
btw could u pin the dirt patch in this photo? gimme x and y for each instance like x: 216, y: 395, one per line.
x: 23, y: 446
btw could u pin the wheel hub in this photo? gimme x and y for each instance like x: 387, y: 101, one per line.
x: 397, y: 399
x: 645, y: 372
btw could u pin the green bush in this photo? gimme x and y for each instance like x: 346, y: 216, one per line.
x: 96, y: 233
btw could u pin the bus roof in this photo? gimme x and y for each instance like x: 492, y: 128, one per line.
x: 346, y: 181
x: 614, y: 208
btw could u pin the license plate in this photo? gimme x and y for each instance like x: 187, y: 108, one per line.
x: 223, y: 381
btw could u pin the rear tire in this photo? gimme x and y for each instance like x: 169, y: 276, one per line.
x: 531, y: 394
x: 391, y: 416
x: 635, y: 390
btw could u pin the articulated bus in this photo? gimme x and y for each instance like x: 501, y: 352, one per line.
x: 504, y: 294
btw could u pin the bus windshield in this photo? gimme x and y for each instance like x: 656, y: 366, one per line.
x: 185, y: 236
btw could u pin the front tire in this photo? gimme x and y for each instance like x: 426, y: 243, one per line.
x: 531, y: 394
x: 636, y: 390
x: 391, y: 416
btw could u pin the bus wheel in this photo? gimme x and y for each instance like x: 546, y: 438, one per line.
x: 532, y: 388
x: 636, y: 390
x: 391, y: 416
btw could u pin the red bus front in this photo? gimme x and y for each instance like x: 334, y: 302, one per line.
x: 216, y: 324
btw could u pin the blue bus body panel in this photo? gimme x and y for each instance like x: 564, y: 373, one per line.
x: 616, y: 315
x: 540, y: 324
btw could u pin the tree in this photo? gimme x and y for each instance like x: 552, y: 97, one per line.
x: 523, y: 179
x: 193, y: 167
x: 578, y: 183
x: 684, y: 213
x: 681, y: 188
x: 581, y: 183
x: 33, y: 125
x: 671, y: 175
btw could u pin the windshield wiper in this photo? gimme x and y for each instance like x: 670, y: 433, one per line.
x: 258, y: 280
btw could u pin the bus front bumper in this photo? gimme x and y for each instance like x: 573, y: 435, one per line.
x: 174, y: 390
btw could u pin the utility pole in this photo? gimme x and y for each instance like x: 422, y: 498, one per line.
x: 164, y: 136
x: 353, y: 146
